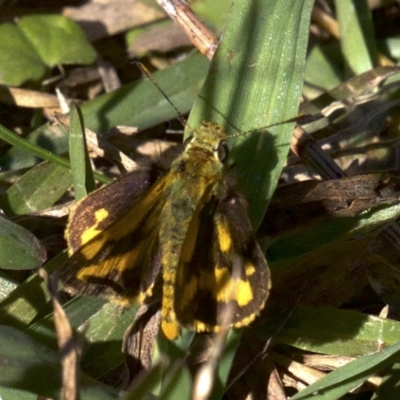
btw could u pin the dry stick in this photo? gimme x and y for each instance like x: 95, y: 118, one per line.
x: 205, y: 377
x: 325, y: 21
x: 27, y: 98
x: 304, y: 146
x: 201, y: 37
x: 66, y: 343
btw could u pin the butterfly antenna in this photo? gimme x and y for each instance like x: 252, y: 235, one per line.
x: 147, y: 74
x: 287, y: 121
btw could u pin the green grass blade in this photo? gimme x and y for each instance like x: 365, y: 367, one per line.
x: 357, y: 35
x: 38, y: 151
x: 255, y: 80
x: 82, y: 174
x: 341, y: 381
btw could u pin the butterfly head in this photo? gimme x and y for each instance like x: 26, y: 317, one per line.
x: 209, y: 137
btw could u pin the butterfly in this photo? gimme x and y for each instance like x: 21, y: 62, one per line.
x: 185, y: 231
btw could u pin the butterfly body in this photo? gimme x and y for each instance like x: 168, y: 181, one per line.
x: 188, y: 228
x: 199, y: 163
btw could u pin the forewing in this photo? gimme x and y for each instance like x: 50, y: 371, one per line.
x: 108, y: 204
x: 223, y: 277
x: 118, y: 257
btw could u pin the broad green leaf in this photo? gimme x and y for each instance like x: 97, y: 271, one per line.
x: 106, y: 329
x: 26, y: 361
x: 79, y: 310
x: 40, y: 188
x: 31, y: 366
x: 57, y: 39
x: 338, y: 332
x: 104, y: 324
x: 37, y: 43
x: 19, y: 61
x: 142, y: 105
x: 23, y: 304
x: 19, y: 248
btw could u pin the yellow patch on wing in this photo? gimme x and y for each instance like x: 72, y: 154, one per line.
x: 221, y: 284
x: 250, y: 269
x: 224, y: 238
x: 93, y: 231
x: 117, y: 264
x: 228, y: 288
x: 199, y: 326
x: 246, y: 321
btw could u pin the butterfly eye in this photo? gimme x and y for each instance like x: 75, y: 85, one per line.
x: 222, y: 152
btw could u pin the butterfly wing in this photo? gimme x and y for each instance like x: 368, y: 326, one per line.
x: 113, y: 238
x: 114, y: 200
x: 223, y: 277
